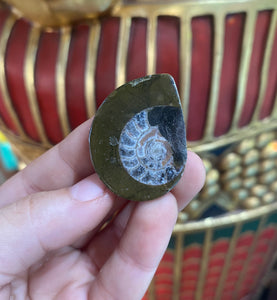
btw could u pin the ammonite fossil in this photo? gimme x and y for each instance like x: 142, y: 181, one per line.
x: 137, y: 139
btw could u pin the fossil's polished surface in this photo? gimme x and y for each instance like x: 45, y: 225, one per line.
x: 137, y: 139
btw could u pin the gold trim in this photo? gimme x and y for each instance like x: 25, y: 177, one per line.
x: 204, y: 265
x: 265, y: 67
x: 274, y: 111
x: 122, y: 50
x: 228, y: 219
x: 151, y: 42
x: 29, y: 81
x: 61, y: 66
x: 245, y: 60
x: 185, y: 63
x: 151, y: 289
x: 249, y: 257
x: 177, y: 265
x: 91, y: 57
x: 219, y: 27
x: 6, y: 31
x: 228, y: 259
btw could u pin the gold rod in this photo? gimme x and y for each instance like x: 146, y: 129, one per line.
x: 228, y: 260
x: 265, y: 67
x: 204, y: 265
x: 248, y: 259
x: 29, y: 81
x: 219, y: 27
x: 90, y: 69
x: 267, y: 264
x: 274, y: 110
x: 151, y: 289
x: 185, y: 63
x: 177, y: 266
x: 151, y: 44
x: 122, y: 50
x: 60, y: 78
x: 245, y: 60
x: 6, y: 31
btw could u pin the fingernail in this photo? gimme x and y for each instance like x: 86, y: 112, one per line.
x: 88, y: 189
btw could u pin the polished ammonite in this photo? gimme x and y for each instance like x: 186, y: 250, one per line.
x: 137, y: 139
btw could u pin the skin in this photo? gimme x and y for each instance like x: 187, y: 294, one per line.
x: 51, y: 245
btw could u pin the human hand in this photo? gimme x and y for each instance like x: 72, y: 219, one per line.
x: 51, y: 213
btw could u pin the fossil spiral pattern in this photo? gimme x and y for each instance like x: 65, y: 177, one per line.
x: 145, y: 153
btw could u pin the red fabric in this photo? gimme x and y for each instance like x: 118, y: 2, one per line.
x: 46, y: 86
x: 201, y: 69
x: 15, y: 57
x: 75, y: 81
x: 168, y: 47
x: 106, y: 60
x: 254, y: 77
x: 234, y: 26
x: 3, y: 110
x: 136, y: 60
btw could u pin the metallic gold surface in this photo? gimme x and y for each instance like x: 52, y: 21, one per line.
x: 3, y: 82
x: 60, y: 79
x: 124, y: 32
x: 204, y: 264
x: 29, y: 80
x: 151, y: 44
x: 92, y: 49
x: 265, y: 67
x: 59, y: 12
x: 247, y: 44
x: 219, y: 19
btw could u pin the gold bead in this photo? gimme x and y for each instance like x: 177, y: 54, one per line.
x: 268, y: 198
x: 273, y: 187
x: 193, y: 206
x: 259, y: 190
x: 183, y: 217
x: 251, y: 170
x: 209, y: 191
x: 270, y: 151
x: 249, y: 182
x: 232, y: 184
x: 268, y: 177
x: 245, y: 146
x: 251, y: 202
x: 266, y: 165
x: 232, y: 173
x: 231, y: 160
x: 240, y: 194
x: 207, y: 165
x: 212, y: 177
x: 264, y: 138
x: 251, y: 157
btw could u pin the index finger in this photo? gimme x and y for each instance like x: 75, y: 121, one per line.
x: 61, y: 166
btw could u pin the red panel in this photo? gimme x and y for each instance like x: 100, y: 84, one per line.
x: 245, y: 240
x: 271, y: 89
x: 268, y: 233
x: 45, y: 85
x: 106, y: 60
x: 254, y: 77
x: 192, y: 252
x: 202, y: 41
x: 229, y: 76
x: 4, y: 115
x: 136, y: 61
x: 221, y: 246
x: 16, y: 50
x: 168, y: 46
x: 75, y: 76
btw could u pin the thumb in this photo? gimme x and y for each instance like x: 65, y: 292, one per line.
x: 47, y: 221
